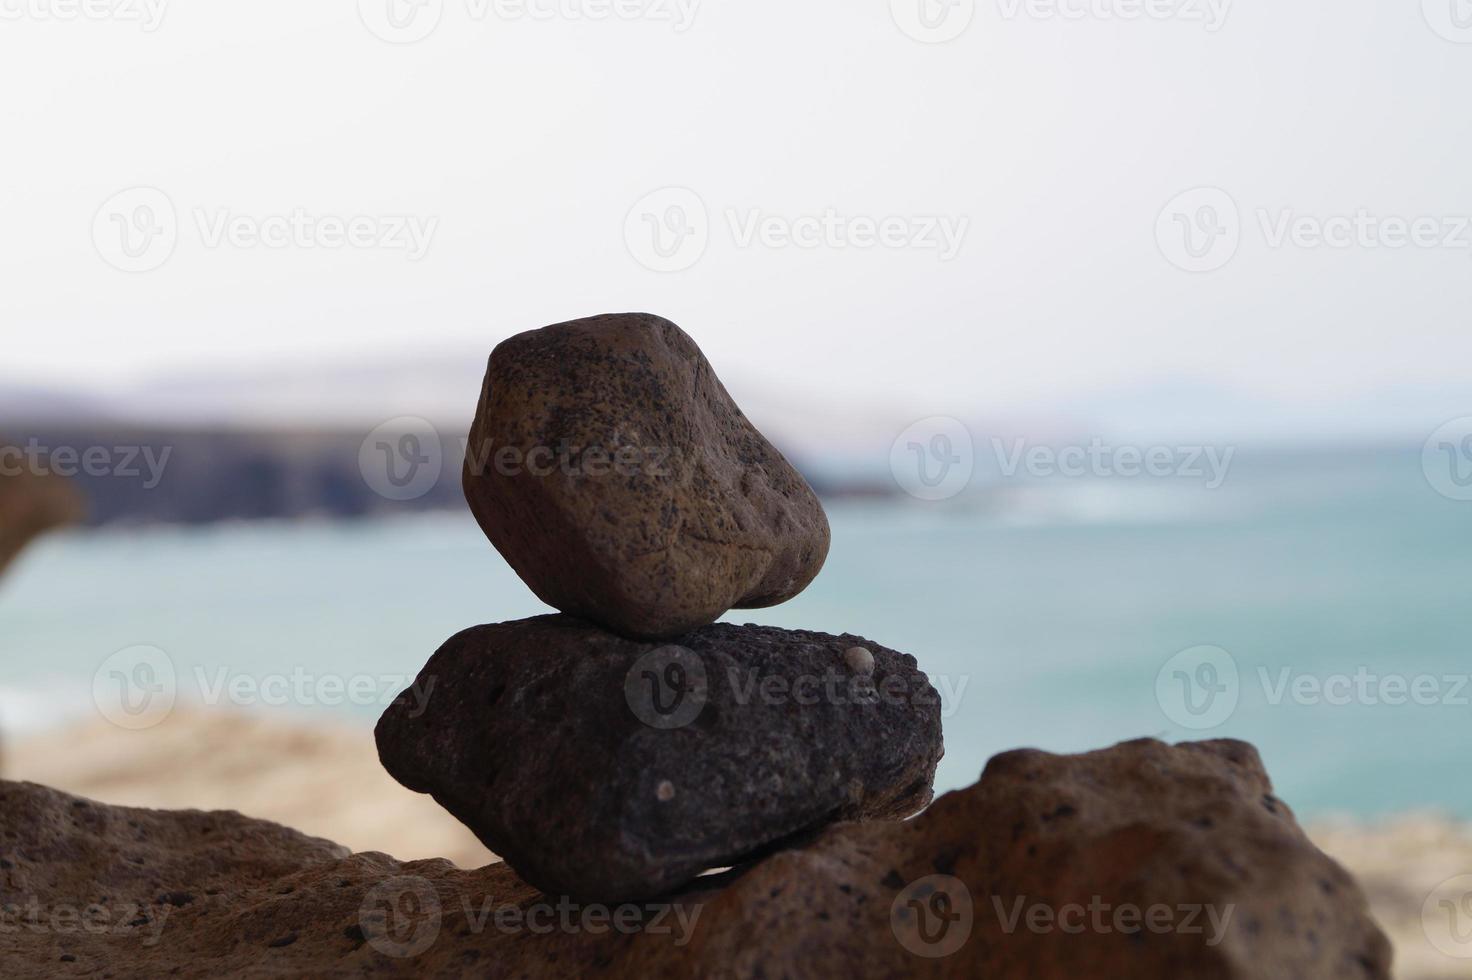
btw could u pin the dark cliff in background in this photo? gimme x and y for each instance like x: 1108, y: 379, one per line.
x: 141, y: 474
x: 195, y: 477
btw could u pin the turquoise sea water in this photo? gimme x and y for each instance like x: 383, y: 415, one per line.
x: 1045, y: 611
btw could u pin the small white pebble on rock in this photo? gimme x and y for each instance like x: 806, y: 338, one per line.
x: 859, y: 659
x: 665, y: 791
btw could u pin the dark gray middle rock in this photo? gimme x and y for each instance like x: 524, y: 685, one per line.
x: 612, y: 769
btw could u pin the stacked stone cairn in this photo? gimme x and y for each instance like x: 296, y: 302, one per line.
x: 627, y: 745
x: 618, y: 751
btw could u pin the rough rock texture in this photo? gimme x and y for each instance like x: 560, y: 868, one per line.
x: 30, y: 505
x: 1141, y: 823
x: 613, y: 769
x: 610, y: 467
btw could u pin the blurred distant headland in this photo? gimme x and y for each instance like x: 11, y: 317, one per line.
x: 293, y: 440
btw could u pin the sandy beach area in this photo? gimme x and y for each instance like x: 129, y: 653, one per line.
x: 1399, y: 863
x: 327, y: 781
x: 319, y: 779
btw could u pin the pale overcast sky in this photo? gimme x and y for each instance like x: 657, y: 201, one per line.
x: 985, y: 223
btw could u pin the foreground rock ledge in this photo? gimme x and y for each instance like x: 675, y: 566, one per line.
x: 612, y: 769
x: 1137, y: 826
x: 610, y: 467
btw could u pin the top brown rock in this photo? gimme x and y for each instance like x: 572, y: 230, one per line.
x: 610, y: 467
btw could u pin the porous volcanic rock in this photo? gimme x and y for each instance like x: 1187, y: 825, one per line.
x: 1140, y: 825
x: 613, y: 769
x: 610, y: 467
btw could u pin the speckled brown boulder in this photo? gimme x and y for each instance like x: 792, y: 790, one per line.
x: 610, y: 467
x: 1197, y: 871
x: 613, y: 769
x: 93, y: 890
x: 1139, y: 825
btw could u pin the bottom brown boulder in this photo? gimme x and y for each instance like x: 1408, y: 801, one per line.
x: 1139, y: 861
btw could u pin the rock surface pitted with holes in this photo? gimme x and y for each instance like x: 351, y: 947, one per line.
x: 615, y: 769
x: 610, y: 467
x: 1139, y: 825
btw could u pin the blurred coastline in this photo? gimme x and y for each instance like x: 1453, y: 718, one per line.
x: 1046, y: 610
